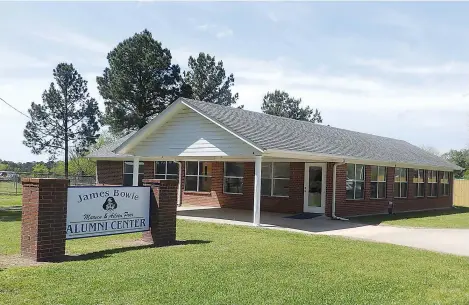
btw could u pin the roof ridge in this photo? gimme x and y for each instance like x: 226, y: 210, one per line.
x: 320, y: 125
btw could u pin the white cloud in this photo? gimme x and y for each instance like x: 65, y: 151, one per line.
x: 218, y: 31
x: 272, y: 16
x: 391, y: 66
x: 73, y: 39
x: 409, y: 24
x: 17, y: 60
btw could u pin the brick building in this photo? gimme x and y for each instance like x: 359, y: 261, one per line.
x: 234, y: 158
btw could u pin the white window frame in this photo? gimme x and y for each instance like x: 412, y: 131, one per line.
x: 420, y: 184
x: 355, y: 180
x: 232, y: 177
x: 132, y: 173
x: 166, y: 171
x: 401, y: 183
x: 197, y: 175
x: 430, y: 184
x: 444, y: 181
x: 272, y: 180
x: 378, y: 181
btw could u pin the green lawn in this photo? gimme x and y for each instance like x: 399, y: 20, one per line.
x: 457, y: 217
x: 10, y: 200
x: 7, y: 187
x: 222, y: 264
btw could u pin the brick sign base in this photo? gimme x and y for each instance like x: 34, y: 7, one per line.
x: 43, y: 219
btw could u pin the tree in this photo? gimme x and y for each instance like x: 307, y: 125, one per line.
x: 208, y: 82
x: 280, y: 103
x: 67, y: 119
x: 139, y: 83
x: 431, y: 150
x: 460, y: 158
x: 40, y: 168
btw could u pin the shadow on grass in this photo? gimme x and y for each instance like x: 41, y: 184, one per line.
x: 10, y: 214
x: 377, y: 219
x: 110, y: 252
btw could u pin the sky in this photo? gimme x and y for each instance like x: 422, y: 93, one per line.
x: 398, y: 70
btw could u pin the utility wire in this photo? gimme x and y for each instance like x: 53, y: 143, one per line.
x: 24, y: 114
x: 19, y: 111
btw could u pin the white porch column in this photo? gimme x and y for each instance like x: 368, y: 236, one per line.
x: 257, y: 191
x: 135, y: 171
x: 180, y: 164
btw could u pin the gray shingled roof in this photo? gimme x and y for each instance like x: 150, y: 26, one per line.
x: 272, y: 132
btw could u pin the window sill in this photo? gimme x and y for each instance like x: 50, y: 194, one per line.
x: 356, y: 199
x: 275, y: 196
x: 197, y: 193
x: 227, y: 193
x: 384, y: 198
x: 400, y: 197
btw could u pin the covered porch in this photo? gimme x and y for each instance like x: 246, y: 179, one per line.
x: 268, y: 182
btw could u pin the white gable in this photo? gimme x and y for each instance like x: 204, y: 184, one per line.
x: 188, y: 134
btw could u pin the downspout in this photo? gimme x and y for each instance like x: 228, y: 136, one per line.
x: 179, y: 200
x: 334, y: 186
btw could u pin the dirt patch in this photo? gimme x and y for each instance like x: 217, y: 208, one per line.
x: 16, y: 260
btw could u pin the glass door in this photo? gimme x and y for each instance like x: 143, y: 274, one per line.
x: 315, y: 189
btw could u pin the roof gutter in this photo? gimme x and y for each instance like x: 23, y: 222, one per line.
x: 334, y: 187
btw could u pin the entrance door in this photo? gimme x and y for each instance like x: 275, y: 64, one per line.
x: 315, y: 187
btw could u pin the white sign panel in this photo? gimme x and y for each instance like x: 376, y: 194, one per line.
x: 97, y: 211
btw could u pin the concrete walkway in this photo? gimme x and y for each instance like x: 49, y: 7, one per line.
x: 452, y: 241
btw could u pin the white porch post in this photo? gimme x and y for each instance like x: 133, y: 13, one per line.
x: 135, y: 171
x: 180, y: 164
x: 257, y: 191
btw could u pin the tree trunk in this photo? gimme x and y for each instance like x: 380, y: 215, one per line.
x: 66, y: 155
x: 66, y: 133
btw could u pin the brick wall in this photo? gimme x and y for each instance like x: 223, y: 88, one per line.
x: 292, y: 204
x: 369, y: 206
x: 112, y: 172
x: 163, y: 205
x: 43, y: 218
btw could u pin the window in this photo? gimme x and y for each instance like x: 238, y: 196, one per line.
x: 167, y: 170
x: 400, y: 183
x: 129, y: 173
x: 444, y: 181
x: 432, y: 183
x: 275, y: 180
x: 233, y: 179
x: 198, y: 176
x: 355, y: 181
x: 378, y: 182
x: 419, y: 182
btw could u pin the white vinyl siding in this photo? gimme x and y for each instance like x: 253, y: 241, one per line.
x: 188, y: 134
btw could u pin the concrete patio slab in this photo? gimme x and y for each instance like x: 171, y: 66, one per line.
x: 451, y: 241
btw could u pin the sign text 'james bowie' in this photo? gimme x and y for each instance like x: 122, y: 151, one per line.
x: 97, y: 211
x: 104, y: 194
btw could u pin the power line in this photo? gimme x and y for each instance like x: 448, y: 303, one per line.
x: 19, y: 111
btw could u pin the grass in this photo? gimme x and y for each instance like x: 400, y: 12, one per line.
x: 7, y: 187
x: 10, y: 200
x: 222, y: 264
x: 455, y: 218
